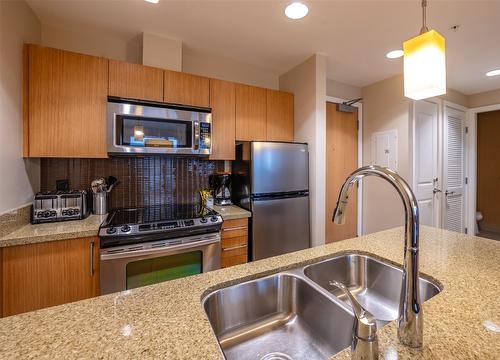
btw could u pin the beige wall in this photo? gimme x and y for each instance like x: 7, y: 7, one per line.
x: 223, y: 68
x: 342, y: 91
x: 308, y: 83
x: 384, y: 108
x: 161, y: 52
x: 19, y: 178
x: 455, y: 97
x: 484, y: 99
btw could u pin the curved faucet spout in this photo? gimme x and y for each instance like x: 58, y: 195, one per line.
x: 410, y: 320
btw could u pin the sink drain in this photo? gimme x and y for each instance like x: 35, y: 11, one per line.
x: 276, y: 356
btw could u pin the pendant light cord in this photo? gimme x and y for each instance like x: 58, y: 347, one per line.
x: 424, y: 28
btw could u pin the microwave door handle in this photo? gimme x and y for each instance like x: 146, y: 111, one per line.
x: 196, y: 126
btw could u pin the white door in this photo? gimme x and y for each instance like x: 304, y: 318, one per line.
x: 425, y: 165
x: 453, y: 216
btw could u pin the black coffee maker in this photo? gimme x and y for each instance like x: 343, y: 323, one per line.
x: 221, y: 184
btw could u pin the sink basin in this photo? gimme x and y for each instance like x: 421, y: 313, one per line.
x: 374, y: 283
x: 278, y: 317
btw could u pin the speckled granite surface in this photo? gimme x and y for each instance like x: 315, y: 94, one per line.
x: 13, y: 220
x: 30, y: 234
x: 167, y: 321
x: 232, y: 212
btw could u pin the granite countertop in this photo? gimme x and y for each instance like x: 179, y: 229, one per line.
x: 167, y: 320
x: 232, y: 212
x: 30, y: 234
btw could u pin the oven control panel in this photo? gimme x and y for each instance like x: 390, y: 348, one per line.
x: 159, y: 227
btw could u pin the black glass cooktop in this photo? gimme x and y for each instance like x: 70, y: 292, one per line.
x: 153, y: 214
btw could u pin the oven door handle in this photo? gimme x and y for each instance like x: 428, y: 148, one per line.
x: 159, y: 250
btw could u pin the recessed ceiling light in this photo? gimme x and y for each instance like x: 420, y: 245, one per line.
x: 495, y: 72
x: 152, y: 1
x: 394, y: 54
x: 296, y: 10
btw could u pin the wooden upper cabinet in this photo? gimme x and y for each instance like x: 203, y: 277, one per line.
x: 223, y: 104
x: 67, y: 95
x: 279, y: 116
x: 250, y: 113
x: 135, y: 81
x: 186, y: 89
x: 46, y: 274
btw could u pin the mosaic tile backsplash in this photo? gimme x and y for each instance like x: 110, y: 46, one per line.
x: 144, y: 181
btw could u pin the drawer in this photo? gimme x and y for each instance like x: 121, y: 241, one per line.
x: 235, y: 228
x: 234, y: 250
x: 234, y: 260
x: 234, y: 241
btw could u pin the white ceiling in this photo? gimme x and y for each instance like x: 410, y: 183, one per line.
x: 354, y: 35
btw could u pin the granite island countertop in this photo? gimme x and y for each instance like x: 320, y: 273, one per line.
x: 167, y: 320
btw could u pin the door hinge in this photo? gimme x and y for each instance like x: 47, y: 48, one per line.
x: 466, y: 231
x: 466, y: 181
x: 466, y: 129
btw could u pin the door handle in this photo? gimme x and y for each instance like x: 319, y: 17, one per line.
x: 436, y: 190
x: 91, y: 259
x: 449, y: 192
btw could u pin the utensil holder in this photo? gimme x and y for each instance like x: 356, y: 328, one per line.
x: 100, y: 206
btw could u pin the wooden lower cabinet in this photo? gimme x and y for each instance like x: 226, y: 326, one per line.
x: 234, y: 242
x: 40, y: 275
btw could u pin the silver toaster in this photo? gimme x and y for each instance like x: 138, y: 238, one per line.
x: 54, y: 206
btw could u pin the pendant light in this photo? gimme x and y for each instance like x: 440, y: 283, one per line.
x: 424, y: 63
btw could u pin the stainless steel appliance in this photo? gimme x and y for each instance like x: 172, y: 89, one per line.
x: 222, y: 191
x: 52, y: 206
x: 145, y: 127
x: 145, y: 246
x: 271, y: 179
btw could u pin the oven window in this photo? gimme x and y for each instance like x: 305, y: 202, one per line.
x: 151, y: 132
x: 156, y: 270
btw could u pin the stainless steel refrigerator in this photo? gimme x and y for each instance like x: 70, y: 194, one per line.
x: 271, y: 179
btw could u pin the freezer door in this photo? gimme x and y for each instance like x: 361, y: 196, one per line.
x: 279, y: 226
x: 279, y: 167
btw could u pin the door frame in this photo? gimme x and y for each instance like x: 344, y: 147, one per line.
x: 471, y: 169
x: 358, y: 105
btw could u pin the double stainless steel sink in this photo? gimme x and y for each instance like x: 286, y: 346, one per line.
x: 296, y: 314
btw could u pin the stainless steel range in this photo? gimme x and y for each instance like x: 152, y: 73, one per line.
x: 144, y: 246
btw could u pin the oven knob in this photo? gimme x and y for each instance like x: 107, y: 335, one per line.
x: 70, y: 212
x: 46, y: 213
x: 214, y: 218
x: 203, y: 220
x: 125, y: 228
x: 111, y: 230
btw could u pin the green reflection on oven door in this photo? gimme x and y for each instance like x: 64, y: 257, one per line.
x: 156, y: 270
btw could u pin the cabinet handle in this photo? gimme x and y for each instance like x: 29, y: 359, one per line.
x: 91, y: 259
x: 234, y: 247
x: 235, y: 228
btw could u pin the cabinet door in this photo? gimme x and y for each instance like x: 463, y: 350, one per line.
x: 48, y: 274
x: 279, y: 116
x: 135, y: 81
x: 186, y: 89
x: 250, y: 113
x: 67, y: 104
x: 223, y: 104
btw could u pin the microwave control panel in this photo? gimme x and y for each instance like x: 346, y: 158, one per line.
x: 205, y: 140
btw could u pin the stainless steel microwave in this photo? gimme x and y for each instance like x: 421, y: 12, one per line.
x: 143, y: 127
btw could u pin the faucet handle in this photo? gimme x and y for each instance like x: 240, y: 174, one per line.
x: 364, y: 342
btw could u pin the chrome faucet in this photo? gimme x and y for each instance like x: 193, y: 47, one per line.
x: 364, y: 344
x: 410, y: 319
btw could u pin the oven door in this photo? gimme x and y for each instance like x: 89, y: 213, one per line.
x: 140, y: 128
x: 132, y: 266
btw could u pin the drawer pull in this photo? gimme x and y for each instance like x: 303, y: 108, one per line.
x: 234, y: 247
x: 235, y: 228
